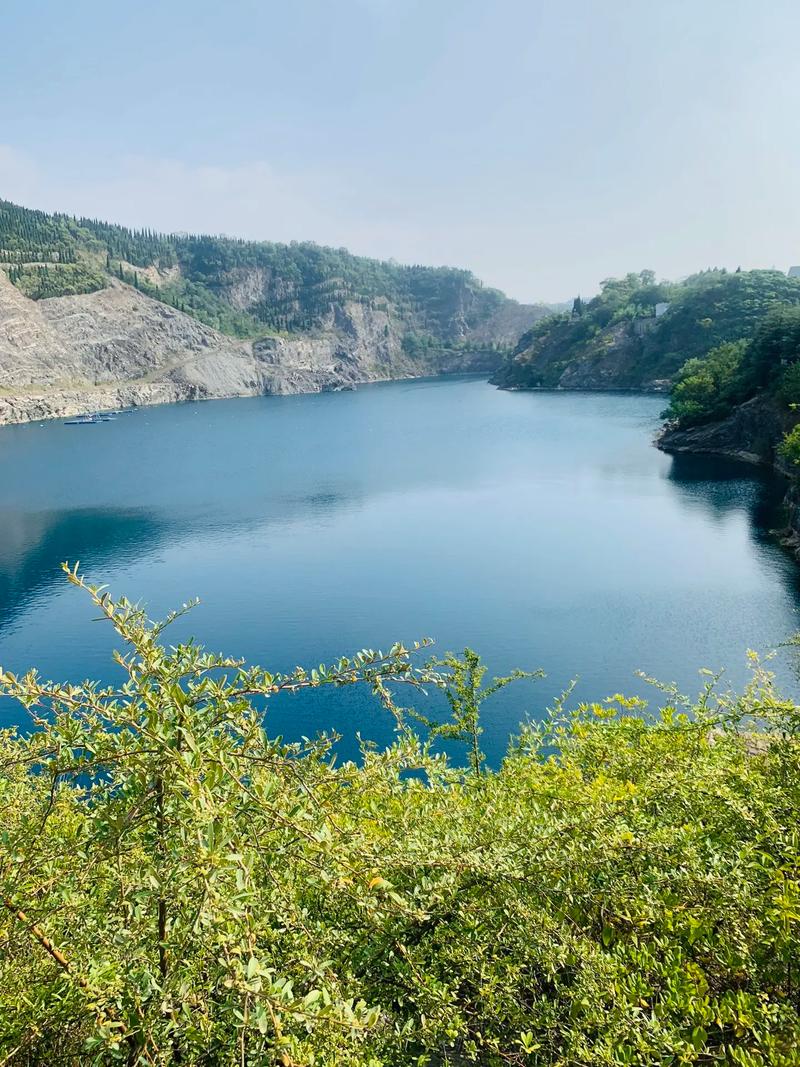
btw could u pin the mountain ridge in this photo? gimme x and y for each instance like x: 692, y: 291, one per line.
x: 94, y: 315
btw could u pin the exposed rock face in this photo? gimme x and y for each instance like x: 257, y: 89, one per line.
x: 507, y: 323
x: 118, y: 347
x: 608, y: 362
x: 113, y: 335
x: 613, y: 359
x: 247, y: 287
x: 751, y: 433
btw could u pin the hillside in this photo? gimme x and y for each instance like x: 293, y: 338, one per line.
x: 742, y: 397
x: 94, y: 315
x: 617, y: 341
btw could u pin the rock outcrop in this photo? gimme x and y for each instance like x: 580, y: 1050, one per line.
x: 615, y: 358
x: 751, y: 433
x: 119, y: 348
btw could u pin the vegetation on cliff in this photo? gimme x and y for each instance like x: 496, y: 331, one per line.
x: 178, y: 887
x: 250, y: 288
x: 707, y: 390
x: 616, y: 340
x: 39, y: 281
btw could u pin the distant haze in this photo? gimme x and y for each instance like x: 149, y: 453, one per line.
x: 542, y: 145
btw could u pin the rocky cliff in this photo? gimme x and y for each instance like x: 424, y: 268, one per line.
x: 118, y: 347
x: 751, y: 433
x: 94, y: 315
x: 612, y: 358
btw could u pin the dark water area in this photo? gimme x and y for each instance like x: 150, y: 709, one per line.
x: 542, y: 529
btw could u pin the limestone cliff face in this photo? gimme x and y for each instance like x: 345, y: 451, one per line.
x: 451, y: 307
x: 117, y: 347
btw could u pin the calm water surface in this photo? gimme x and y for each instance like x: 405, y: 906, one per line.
x: 541, y: 529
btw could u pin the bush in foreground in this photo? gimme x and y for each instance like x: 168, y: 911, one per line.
x: 178, y: 888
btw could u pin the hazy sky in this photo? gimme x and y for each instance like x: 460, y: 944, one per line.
x: 544, y: 144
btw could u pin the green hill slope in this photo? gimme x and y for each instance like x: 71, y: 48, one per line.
x: 617, y: 341
x: 253, y: 288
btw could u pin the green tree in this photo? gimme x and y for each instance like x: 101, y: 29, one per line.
x: 789, y: 448
x: 706, y: 388
x: 776, y: 346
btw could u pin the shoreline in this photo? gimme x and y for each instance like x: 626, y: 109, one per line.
x: 50, y: 406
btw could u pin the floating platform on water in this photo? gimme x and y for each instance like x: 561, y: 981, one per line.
x: 93, y: 417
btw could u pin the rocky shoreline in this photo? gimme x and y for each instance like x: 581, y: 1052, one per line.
x: 19, y: 409
x: 118, y: 348
x: 751, y: 434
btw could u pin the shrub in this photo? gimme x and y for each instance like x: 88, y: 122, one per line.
x: 178, y: 887
x: 789, y: 448
x: 788, y: 388
x: 706, y: 388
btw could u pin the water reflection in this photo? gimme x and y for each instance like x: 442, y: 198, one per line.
x: 719, y: 486
x: 33, y: 545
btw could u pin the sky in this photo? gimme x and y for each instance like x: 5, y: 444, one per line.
x: 543, y: 144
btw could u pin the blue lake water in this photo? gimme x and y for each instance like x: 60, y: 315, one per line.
x: 542, y: 529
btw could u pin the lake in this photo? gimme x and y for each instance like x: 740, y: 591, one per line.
x: 542, y: 529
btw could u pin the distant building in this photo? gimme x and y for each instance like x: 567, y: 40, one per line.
x: 661, y: 308
x: 794, y: 272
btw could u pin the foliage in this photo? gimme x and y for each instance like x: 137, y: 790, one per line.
x: 789, y: 448
x: 250, y: 288
x: 202, y: 304
x: 58, y: 279
x: 465, y: 693
x: 706, y: 310
x: 35, y: 237
x: 788, y: 385
x: 709, y: 388
x: 706, y: 389
x: 774, y: 352
x: 178, y: 887
x: 714, y: 308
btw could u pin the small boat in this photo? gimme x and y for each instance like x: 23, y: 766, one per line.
x: 83, y: 420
